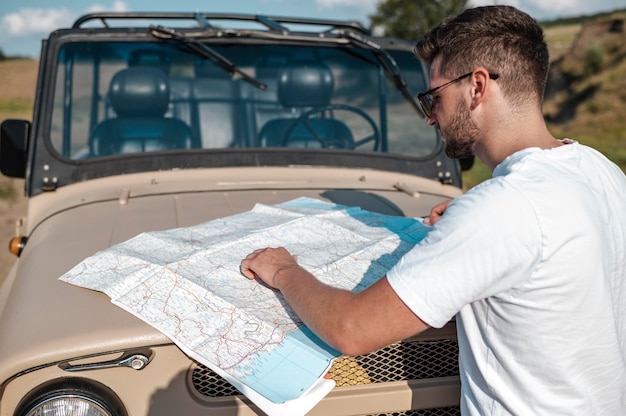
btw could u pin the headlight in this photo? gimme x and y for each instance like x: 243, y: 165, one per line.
x: 68, y: 404
x: 71, y: 397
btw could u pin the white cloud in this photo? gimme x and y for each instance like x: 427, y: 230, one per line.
x: 118, y: 6
x: 542, y: 9
x: 349, y: 3
x: 36, y: 21
x: 28, y: 21
x: 358, y: 10
x: 363, y: 4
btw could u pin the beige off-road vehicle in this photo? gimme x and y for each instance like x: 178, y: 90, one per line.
x: 146, y: 122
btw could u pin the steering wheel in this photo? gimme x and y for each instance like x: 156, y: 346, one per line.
x: 330, y: 142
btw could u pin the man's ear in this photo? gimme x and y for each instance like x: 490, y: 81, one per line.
x: 480, y: 83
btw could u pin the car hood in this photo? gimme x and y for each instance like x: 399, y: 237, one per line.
x: 51, y: 321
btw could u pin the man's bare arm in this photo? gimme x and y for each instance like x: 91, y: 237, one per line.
x: 354, y: 323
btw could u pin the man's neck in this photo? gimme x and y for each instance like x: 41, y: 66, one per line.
x: 505, y: 142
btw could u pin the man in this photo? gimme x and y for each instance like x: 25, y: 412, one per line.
x: 531, y: 262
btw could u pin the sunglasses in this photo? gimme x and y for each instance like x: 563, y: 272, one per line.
x: 426, y: 98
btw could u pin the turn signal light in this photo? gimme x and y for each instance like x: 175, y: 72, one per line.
x: 16, y: 245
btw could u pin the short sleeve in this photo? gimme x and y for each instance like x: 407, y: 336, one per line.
x: 487, y: 242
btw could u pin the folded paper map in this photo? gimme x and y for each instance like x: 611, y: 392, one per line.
x: 187, y: 283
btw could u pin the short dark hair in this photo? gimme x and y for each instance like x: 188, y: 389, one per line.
x: 502, y: 39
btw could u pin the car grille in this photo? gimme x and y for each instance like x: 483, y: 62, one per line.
x: 402, y: 361
x: 442, y: 411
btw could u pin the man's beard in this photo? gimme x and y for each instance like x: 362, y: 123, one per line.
x: 460, y: 134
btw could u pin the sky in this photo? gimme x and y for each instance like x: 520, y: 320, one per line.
x: 24, y: 23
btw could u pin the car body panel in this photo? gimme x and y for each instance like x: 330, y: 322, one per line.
x: 83, y: 200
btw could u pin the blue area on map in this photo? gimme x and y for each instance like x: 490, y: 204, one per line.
x: 275, y: 374
x: 296, y: 364
x: 408, y: 229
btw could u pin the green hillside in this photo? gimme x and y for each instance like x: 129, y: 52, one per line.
x: 586, y: 94
x: 585, y: 99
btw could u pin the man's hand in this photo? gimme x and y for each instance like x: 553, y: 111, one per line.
x: 436, y: 213
x: 267, y: 263
x: 355, y: 323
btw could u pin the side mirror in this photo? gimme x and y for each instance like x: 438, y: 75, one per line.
x: 467, y: 163
x: 14, y: 147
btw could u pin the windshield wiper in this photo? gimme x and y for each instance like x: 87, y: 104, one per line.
x: 387, y: 61
x: 205, y: 51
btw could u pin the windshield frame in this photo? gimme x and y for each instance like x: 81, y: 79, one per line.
x: 67, y: 170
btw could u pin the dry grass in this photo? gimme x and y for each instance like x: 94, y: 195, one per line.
x: 595, y: 96
x: 585, y: 105
x: 560, y: 39
x: 17, y: 92
x: 18, y: 80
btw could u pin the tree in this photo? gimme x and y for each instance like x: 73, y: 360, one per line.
x: 410, y: 19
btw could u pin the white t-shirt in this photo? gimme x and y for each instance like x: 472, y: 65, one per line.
x: 533, y: 264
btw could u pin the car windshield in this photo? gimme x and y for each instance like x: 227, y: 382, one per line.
x: 118, y: 98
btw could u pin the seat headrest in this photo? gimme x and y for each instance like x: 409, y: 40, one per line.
x: 305, y: 84
x: 139, y: 91
x: 155, y: 58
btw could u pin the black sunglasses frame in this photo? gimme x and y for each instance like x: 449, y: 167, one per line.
x: 426, y: 98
